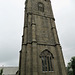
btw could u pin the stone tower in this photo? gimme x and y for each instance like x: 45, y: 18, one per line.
x: 41, y: 53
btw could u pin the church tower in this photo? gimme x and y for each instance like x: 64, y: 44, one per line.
x: 41, y: 53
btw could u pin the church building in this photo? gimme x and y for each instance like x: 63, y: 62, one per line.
x: 41, y: 52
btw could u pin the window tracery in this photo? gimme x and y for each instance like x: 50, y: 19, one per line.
x: 46, y: 57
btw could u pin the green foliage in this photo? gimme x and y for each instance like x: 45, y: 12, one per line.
x: 71, y: 67
x: 1, y: 71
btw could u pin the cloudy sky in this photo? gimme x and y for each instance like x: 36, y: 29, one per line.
x: 11, y: 27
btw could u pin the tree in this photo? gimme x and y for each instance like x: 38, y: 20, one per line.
x: 71, y: 66
x: 1, y: 71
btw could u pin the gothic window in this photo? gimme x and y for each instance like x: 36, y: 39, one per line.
x: 46, y: 58
x: 41, y: 7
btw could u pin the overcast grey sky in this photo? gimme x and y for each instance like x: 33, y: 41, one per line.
x: 11, y: 27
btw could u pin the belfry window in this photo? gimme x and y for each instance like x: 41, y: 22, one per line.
x: 46, y: 58
x: 41, y: 7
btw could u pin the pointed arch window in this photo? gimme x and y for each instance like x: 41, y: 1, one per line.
x: 41, y: 7
x: 46, y: 58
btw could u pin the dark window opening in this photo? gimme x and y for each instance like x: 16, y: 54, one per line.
x: 42, y: 63
x: 41, y: 7
x: 46, y: 61
x: 45, y: 64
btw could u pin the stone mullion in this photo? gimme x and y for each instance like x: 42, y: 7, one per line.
x: 51, y: 63
x: 47, y: 64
